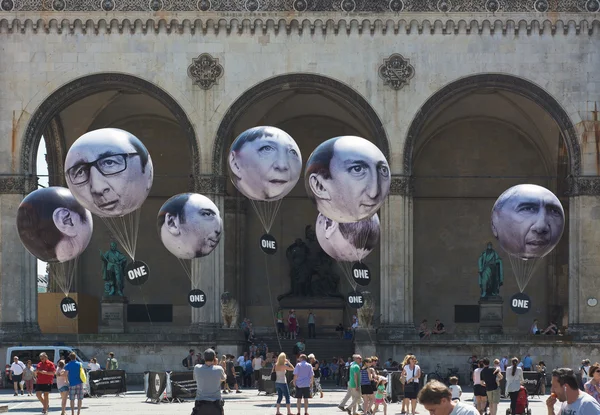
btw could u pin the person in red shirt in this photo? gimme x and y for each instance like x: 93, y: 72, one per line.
x: 45, y: 377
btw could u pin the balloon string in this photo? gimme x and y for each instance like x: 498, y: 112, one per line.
x: 125, y: 230
x: 63, y: 274
x: 271, y: 301
x: 266, y: 212
x: 186, y: 265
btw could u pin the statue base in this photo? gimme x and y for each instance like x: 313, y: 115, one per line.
x: 329, y: 311
x: 113, y: 314
x: 490, y: 315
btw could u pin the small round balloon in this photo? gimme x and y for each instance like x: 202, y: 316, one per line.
x: 264, y: 163
x: 348, y: 242
x: 190, y: 225
x: 53, y: 226
x: 528, y: 221
x: 109, y: 172
x: 348, y: 178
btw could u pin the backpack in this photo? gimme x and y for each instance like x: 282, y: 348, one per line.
x: 185, y: 362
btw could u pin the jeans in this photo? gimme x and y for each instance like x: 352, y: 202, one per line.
x: 311, y: 331
x: 513, y: 401
x: 282, y: 390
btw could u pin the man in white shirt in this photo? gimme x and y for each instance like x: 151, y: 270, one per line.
x: 242, y: 359
x: 437, y: 399
x: 566, y: 390
x: 503, y: 363
x: 16, y: 374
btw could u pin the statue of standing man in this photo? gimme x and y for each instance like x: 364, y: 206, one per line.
x: 491, y: 275
x: 113, y: 271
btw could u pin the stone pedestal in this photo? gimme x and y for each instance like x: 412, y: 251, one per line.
x: 113, y: 314
x: 490, y: 315
x: 329, y: 311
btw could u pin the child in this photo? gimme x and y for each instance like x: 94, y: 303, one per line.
x: 380, y: 395
x: 455, y: 388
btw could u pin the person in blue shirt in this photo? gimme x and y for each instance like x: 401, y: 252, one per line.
x: 73, y: 369
x: 527, y: 363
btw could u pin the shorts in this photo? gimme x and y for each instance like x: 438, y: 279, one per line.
x: 302, y: 393
x: 479, y: 390
x: 76, y: 392
x: 257, y: 375
x: 43, y: 387
x: 379, y: 401
x: 366, y: 389
x: 208, y: 408
x: 231, y: 381
x: 16, y: 378
x: 63, y: 389
x: 494, y: 396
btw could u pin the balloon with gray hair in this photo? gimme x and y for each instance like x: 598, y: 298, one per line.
x: 528, y: 220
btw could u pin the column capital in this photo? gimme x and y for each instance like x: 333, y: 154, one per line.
x: 402, y: 185
x: 583, y: 186
x: 209, y: 184
x: 17, y: 184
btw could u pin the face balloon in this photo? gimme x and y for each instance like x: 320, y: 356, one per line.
x: 190, y: 225
x: 109, y: 171
x: 264, y: 163
x: 53, y: 226
x: 528, y: 221
x: 348, y: 178
x: 349, y: 242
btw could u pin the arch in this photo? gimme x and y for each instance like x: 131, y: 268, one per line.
x: 295, y: 81
x: 504, y: 82
x: 80, y: 88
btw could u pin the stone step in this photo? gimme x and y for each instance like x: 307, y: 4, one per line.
x: 323, y: 349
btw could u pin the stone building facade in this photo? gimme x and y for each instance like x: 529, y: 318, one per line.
x: 465, y: 97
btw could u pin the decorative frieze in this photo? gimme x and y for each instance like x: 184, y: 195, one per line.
x: 209, y: 184
x: 307, y: 6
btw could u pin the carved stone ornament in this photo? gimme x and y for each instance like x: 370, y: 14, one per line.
x: 396, y: 71
x: 396, y: 6
x: 17, y: 184
x: 592, y: 6
x: 205, y: 71
x: 300, y: 5
x: 541, y: 6
x: 583, y: 186
x: 402, y: 185
x: 209, y: 184
x: 7, y: 5
x: 348, y: 6
x: 59, y: 5
x: 204, y: 5
x: 444, y: 6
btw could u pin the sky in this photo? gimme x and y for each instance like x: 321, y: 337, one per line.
x: 42, y: 172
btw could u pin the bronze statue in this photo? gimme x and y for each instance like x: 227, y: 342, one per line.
x: 491, y: 275
x: 113, y: 271
x: 311, y: 269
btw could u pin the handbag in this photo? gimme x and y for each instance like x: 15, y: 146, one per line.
x: 82, y: 374
x: 273, y: 375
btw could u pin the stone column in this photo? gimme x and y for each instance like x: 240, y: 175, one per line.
x: 584, y: 257
x: 18, y: 268
x: 235, y: 228
x: 397, y: 261
x: 208, y: 273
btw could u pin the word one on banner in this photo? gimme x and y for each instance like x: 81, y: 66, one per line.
x: 355, y: 299
x: 361, y: 274
x: 520, y: 303
x: 197, y: 298
x: 137, y: 273
x: 268, y: 244
x: 68, y: 306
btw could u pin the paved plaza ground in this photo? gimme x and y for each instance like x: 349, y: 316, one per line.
x: 247, y: 403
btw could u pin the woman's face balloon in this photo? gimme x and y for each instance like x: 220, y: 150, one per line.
x: 348, y: 242
x: 53, y: 226
x: 264, y: 163
x: 348, y: 178
x: 190, y: 225
x: 109, y: 171
x: 528, y: 221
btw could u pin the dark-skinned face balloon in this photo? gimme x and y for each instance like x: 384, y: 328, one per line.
x: 528, y: 221
x: 264, y: 163
x: 189, y: 225
x: 109, y: 171
x: 348, y: 178
x: 53, y: 226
